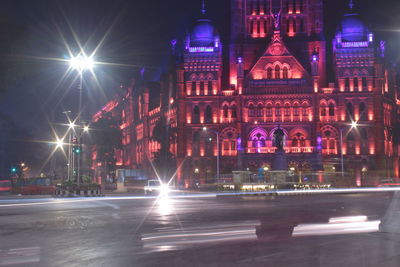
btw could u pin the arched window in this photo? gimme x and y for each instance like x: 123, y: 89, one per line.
x: 251, y: 110
x: 193, y: 87
x: 259, y: 110
x: 234, y: 114
x: 364, y: 83
x: 331, y: 109
x: 347, y: 83
x: 350, y: 111
x: 356, y: 83
x: 363, y: 134
x: 277, y: 72
x: 285, y: 73
x: 294, y: 25
x: 196, y: 143
x: 225, y: 111
x: 295, y: 142
x: 209, y: 86
x: 323, y: 110
x: 363, y: 111
x: 287, y: 109
x: 208, y: 114
x: 296, y: 109
x: 269, y: 73
x: 278, y: 110
x: 301, y: 24
x: 350, y: 137
x: 202, y: 88
x: 305, y: 109
x: 196, y: 114
x: 269, y: 110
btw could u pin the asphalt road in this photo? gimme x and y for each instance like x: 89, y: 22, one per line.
x: 201, y: 230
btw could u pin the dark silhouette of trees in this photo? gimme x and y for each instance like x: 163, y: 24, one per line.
x: 164, y: 161
x: 106, y: 138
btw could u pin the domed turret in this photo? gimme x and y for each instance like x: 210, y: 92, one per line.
x: 351, y: 28
x: 203, y: 34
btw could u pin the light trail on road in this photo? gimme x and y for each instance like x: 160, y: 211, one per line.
x: 49, y: 201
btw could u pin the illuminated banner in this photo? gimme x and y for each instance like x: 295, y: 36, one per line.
x: 355, y: 44
x: 201, y: 49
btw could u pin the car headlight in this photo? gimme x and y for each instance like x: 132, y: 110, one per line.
x: 164, y: 189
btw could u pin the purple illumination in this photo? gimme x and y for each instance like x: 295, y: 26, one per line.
x: 239, y: 143
x: 216, y: 43
x: 240, y: 60
x: 382, y: 47
x: 314, y: 58
x: 319, y: 142
x: 355, y: 44
x: 201, y: 49
x: 370, y: 37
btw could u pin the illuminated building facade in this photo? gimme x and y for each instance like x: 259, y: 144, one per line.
x: 275, y: 75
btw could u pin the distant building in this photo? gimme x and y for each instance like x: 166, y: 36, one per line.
x: 276, y: 75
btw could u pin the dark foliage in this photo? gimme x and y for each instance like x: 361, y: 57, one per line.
x: 106, y: 136
x: 164, y: 160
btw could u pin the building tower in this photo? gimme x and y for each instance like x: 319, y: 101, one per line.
x: 199, y: 85
x: 365, y: 100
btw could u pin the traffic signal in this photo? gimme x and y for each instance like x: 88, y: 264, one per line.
x: 13, y: 169
x: 76, y: 147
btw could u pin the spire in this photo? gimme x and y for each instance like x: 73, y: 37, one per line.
x: 351, y: 4
x: 203, y: 8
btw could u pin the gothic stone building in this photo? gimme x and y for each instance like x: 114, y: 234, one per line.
x: 276, y: 75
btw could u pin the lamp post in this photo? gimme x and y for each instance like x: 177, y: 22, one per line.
x: 217, y: 134
x: 80, y: 63
x: 353, y: 125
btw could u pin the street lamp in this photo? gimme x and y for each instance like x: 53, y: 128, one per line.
x: 353, y: 125
x: 217, y: 134
x: 80, y: 63
x: 59, y: 143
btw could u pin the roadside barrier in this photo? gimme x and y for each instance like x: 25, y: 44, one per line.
x: 60, y: 192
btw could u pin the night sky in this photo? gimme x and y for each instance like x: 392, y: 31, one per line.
x: 136, y: 34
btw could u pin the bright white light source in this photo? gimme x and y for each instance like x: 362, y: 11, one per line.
x: 59, y: 143
x: 86, y: 128
x: 81, y: 63
x: 353, y: 124
x: 71, y: 125
x: 164, y: 190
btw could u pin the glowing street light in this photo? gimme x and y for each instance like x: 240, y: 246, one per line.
x: 86, y: 128
x: 59, y: 143
x: 354, y: 124
x: 71, y: 125
x: 81, y: 63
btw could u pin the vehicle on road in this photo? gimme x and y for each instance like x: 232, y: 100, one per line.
x: 5, y: 186
x: 156, y: 187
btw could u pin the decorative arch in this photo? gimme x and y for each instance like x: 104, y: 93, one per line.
x: 297, y: 130
x: 271, y: 133
x: 333, y: 131
x: 210, y: 76
x: 193, y: 77
x: 258, y: 131
x: 329, y: 136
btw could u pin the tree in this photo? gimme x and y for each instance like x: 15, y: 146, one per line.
x: 106, y: 137
x: 164, y: 161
